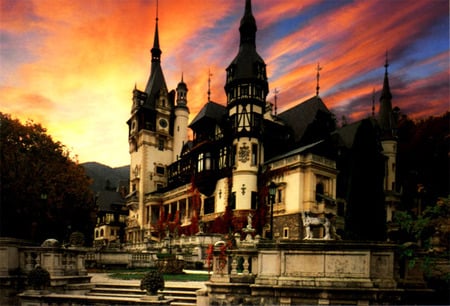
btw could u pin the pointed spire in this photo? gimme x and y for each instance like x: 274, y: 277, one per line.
x: 156, y: 81
x: 156, y: 51
x: 385, y: 115
x: 248, y: 26
x: 317, y: 78
x: 386, y: 91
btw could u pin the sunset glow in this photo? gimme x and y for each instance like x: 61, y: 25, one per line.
x: 72, y: 65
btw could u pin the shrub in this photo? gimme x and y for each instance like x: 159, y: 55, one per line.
x: 152, y: 282
x: 39, y: 278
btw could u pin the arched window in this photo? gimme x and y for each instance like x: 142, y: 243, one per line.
x: 101, y: 233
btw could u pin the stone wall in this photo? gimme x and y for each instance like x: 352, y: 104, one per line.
x: 292, y: 223
x: 295, y: 272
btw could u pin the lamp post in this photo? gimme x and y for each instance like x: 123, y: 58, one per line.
x: 272, y: 191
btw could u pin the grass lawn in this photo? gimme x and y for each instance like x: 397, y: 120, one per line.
x: 138, y: 274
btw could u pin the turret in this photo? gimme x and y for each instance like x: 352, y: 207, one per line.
x: 246, y: 88
x: 180, y: 136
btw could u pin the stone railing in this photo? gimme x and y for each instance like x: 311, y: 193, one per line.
x: 238, y: 264
x: 57, y: 261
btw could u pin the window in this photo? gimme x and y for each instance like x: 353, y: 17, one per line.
x: 101, y: 233
x: 159, y: 186
x: 254, y: 200
x: 112, y: 232
x: 155, y: 214
x: 218, y: 132
x: 244, y: 91
x: 280, y: 195
x: 223, y: 158
x: 286, y: 232
x: 208, y: 206
x: 208, y: 161
x: 160, y: 170
x: 254, y: 154
x: 96, y: 233
x: 319, y: 192
x: 109, y: 218
x: 200, y: 162
x: 161, y: 144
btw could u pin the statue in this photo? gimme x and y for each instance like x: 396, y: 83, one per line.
x: 308, y: 221
x: 249, y: 221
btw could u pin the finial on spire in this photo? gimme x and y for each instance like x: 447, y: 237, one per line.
x: 275, y: 100
x: 386, y: 64
x: 156, y: 10
x: 182, y: 77
x: 209, y: 85
x: 317, y: 77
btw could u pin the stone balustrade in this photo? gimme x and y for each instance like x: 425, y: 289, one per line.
x: 57, y: 261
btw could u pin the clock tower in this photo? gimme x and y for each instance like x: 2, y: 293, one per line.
x: 246, y: 89
x: 150, y: 140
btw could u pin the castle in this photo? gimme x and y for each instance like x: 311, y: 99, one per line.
x: 285, y: 173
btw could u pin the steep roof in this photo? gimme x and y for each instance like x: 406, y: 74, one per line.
x: 107, y: 198
x: 210, y: 110
x: 346, y: 134
x: 156, y: 80
x: 303, y: 114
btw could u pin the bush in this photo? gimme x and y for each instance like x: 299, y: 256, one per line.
x: 39, y: 278
x: 152, y: 282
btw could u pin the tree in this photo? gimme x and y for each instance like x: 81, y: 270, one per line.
x: 423, y: 159
x: 365, y: 214
x: 44, y: 193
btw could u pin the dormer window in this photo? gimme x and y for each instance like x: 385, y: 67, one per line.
x: 218, y: 132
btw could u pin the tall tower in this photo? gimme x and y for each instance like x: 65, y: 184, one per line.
x: 246, y: 88
x: 150, y: 143
x: 180, y: 136
x: 388, y: 127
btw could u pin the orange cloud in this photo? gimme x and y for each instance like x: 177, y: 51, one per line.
x: 72, y: 65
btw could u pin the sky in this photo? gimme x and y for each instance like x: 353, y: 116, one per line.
x: 71, y: 66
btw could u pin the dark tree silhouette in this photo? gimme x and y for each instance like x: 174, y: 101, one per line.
x: 44, y: 193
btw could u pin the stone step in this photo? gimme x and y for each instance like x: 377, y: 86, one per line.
x: 182, y: 295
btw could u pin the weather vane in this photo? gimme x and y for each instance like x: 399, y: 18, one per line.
x: 209, y: 85
x: 318, y: 76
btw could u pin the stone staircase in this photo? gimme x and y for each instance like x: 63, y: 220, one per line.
x: 182, y: 294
